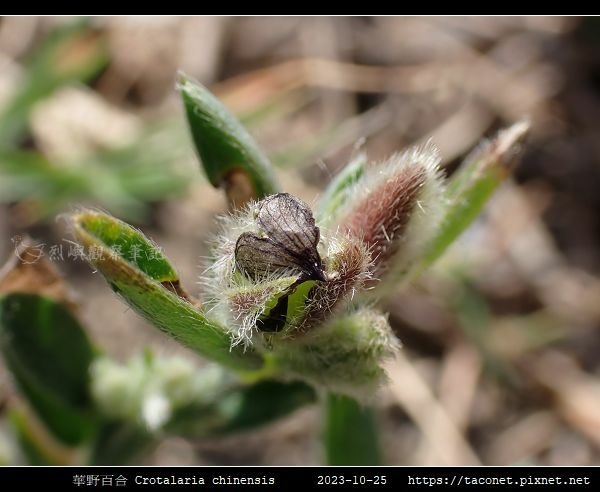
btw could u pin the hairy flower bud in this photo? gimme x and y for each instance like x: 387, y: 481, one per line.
x: 395, y: 207
x: 348, y: 265
x: 267, y: 274
x: 346, y: 355
x: 276, y: 284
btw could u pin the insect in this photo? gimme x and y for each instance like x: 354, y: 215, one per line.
x: 287, y: 239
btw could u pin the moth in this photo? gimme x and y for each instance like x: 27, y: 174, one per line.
x: 286, y: 240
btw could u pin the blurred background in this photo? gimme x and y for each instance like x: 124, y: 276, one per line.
x: 501, y: 342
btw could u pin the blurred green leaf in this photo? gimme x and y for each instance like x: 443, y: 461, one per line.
x: 262, y: 403
x: 351, y: 436
x: 49, y: 355
x: 150, y: 285
x: 475, y: 320
x: 472, y: 186
x: 70, y: 53
x: 227, y: 151
x: 337, y: 192
x: 122, y: 179
x: 241, y: 407
x: 119, y: 443
x: 26, y: 174
x: 29, y: 444
x: 127, y: 177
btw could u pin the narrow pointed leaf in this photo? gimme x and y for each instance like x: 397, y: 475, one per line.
x: 337, y: 192
x: 137, y: 270
x: 472, y: 186
x: 229, y: 155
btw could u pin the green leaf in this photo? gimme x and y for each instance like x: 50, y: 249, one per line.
x: 472, y: 186
x: 229, y: 155
x: 241, y: 407
x: 121, y: 179
x: 129, y: 244
x: 337, y: 192
x: 345, y: 356
x: 350, y: 433
x: 262, y: 403
x: 29, y: 444
x: 150, y: 285
x: 119, y: 443
x: 49, y: 355
x: 74, y: 52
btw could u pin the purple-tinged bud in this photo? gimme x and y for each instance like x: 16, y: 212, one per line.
x: 347, y: 271
x: 395, y: 208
